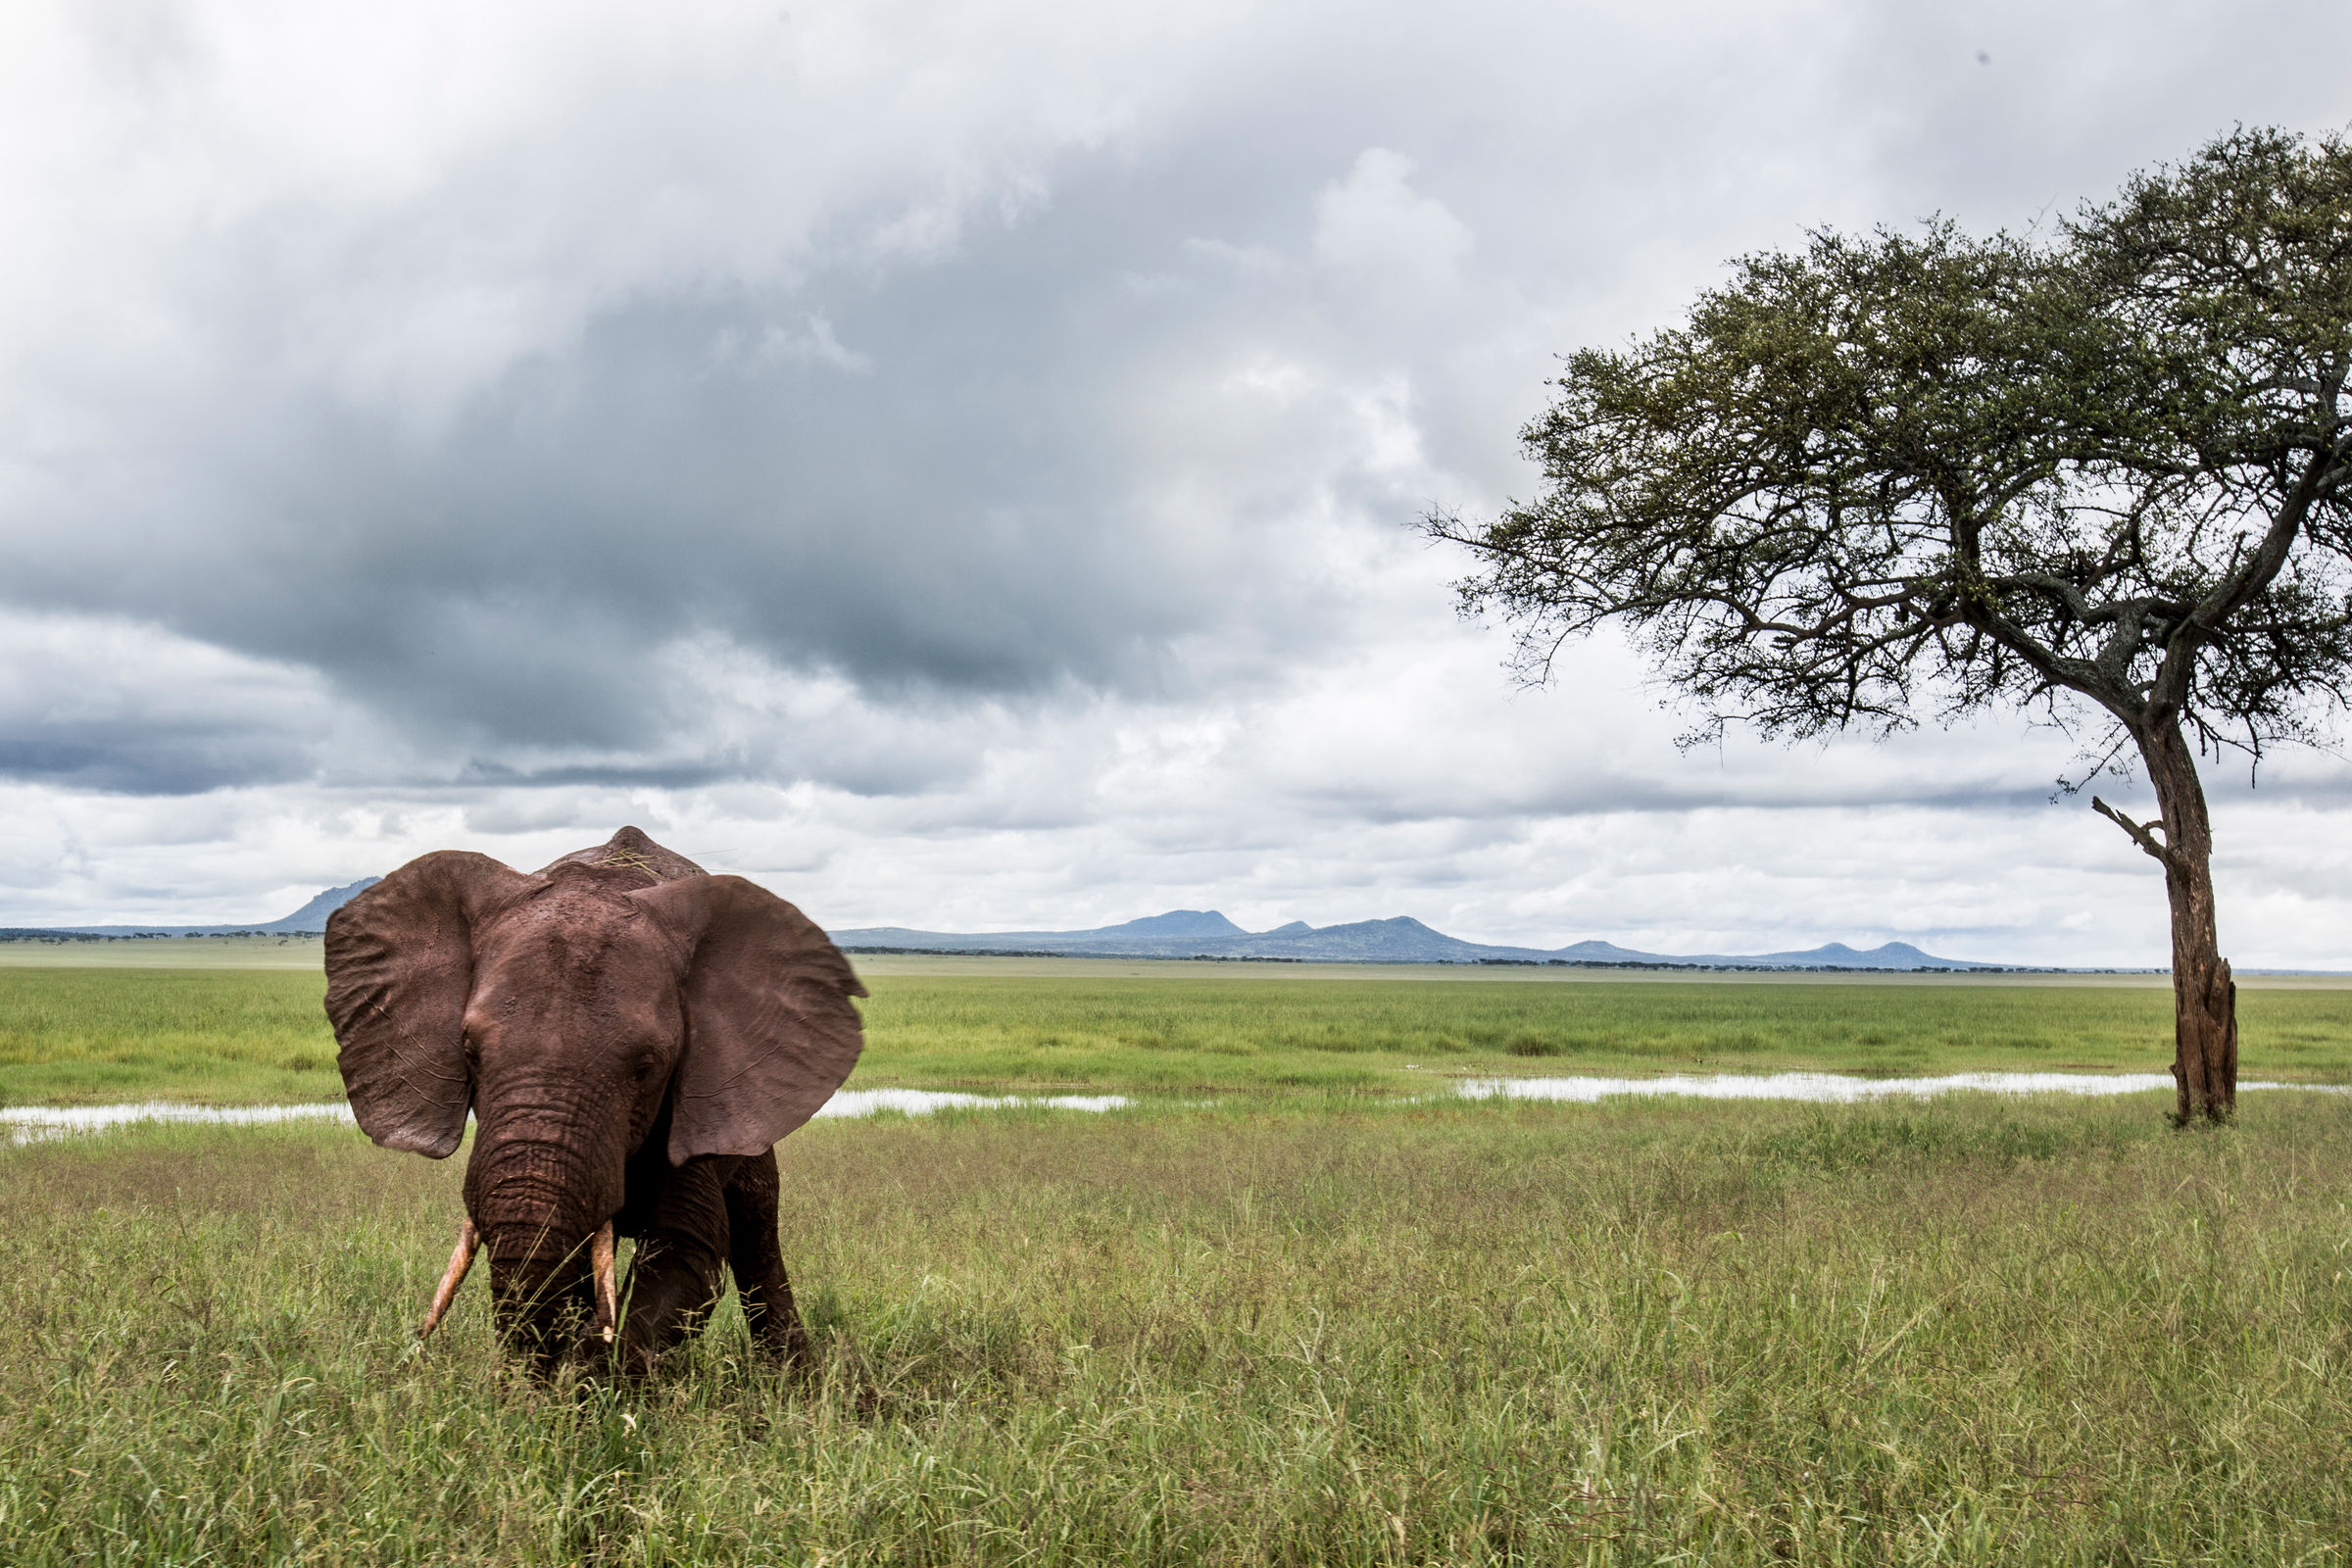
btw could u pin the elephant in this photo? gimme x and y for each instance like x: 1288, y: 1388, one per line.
x: 632, y: 1036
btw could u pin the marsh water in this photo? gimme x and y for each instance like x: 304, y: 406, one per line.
x: 33, y: 1123
x: 26, y: 1124
x: 1836, y: 1089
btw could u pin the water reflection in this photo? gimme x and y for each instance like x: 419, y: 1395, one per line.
x: 32, y: 1123
x: 1829, y: 1087
x: 915, y: 1101
x: 26, y: 1124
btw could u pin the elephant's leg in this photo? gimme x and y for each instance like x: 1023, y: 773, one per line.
x: 758, y: 1264
x: 678, y: 1272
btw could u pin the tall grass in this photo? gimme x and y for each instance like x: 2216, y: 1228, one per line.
x: 230, y: 1036
x: 1238, y: 1033
x: 1969, y: 1331
x: 211, y: 1035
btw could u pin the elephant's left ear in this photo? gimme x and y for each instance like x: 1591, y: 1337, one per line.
x: 771, y: 1030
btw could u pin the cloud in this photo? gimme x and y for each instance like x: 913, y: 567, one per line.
x: 1373, y: 224
x: 963, y: 456
x: 107, y: 705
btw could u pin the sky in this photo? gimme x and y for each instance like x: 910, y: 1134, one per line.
x: 956, y: 465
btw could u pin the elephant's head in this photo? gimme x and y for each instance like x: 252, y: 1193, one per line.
x: 619, y: 1002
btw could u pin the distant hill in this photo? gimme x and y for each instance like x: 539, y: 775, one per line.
x: 1205, y: 933
x: 311, y: 918
x: 1197, y: 934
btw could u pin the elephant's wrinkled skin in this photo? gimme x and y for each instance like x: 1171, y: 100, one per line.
x: 632, y: 1036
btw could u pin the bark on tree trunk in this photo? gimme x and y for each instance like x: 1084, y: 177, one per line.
x: 2204, y: 996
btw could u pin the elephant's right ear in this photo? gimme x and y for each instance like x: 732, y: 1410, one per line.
x: 399, y: 968
x: 771, y: 1030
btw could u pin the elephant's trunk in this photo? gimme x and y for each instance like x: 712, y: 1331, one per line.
x: 542, y: 1294
x: 544, y: 1208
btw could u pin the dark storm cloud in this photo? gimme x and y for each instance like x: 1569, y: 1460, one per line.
x: 103, y: 705
x: 926, y: 481
x: 957, y: 429
x: 149, y: 757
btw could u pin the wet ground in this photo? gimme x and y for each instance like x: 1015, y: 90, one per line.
x: 1837, y: 1089
x: 32, y: 1123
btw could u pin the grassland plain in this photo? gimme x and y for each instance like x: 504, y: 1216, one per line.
x: 225, y: 1027
x: 166, y: 952
x: 1974, y: 1330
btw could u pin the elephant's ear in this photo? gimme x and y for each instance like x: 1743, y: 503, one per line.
x: 399, y: 968
x: 771, y: 1030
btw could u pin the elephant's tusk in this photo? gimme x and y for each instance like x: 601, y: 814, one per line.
x: 459, y: 1262
x: 608, y: 1294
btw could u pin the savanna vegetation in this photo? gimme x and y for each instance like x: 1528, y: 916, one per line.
x: 1291, y: 1308
x: 237, y: 1035
x: 1390, y: 1036
x: 1973, y: 1331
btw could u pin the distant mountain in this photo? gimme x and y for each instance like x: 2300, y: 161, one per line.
x: 310, y: 919
x: 1199, y: 933
x: 311, y: 916
x: 1184, y: 923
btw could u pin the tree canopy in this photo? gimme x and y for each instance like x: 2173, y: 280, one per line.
x: 1906, y: 476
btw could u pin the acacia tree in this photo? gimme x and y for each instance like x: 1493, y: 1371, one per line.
x: 2102, y: 474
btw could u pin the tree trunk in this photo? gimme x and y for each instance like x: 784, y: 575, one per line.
x: 2204, y: 996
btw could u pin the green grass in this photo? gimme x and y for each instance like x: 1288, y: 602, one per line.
x: 1970, y: 1332
x: 215, y: 1036
x: 166, y: 952
x: 228, y: 1035
x: 1241, y: 1034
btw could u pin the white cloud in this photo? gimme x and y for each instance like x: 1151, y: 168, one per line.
x: 958, y: 459
x: 1374, y: 224
x: 812, y: 343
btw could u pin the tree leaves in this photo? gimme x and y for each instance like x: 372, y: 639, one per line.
x: 1898, y: 477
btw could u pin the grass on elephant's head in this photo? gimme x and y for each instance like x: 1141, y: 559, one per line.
x: 1968, y: 1332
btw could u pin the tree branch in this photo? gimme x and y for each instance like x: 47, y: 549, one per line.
x: 2139, y: 834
